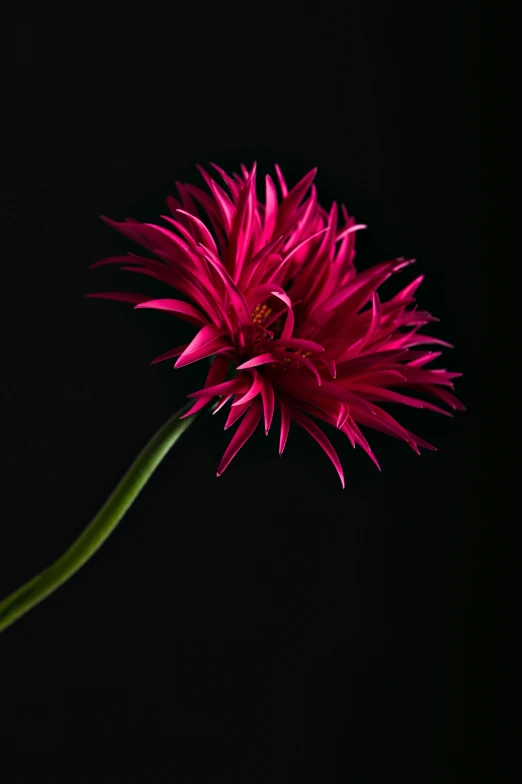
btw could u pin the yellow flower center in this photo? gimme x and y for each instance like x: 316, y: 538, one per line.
x: 260, y: 313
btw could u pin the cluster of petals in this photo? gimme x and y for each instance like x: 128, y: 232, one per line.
x: 287, y: 320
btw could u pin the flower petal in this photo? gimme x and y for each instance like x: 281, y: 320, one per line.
x: 322, y: 440
x: 255, y: 388
x: 270, y: 209
x: 218, y: 371
x: 234, y: 386
x: 178, y: 307
x: 288, y: 328
x: 267, y: 396
x: 235, y: 413
x: 119, y: 296
x: 246, y: 427
x: 285, y: 425
x: 261, y: 359
x: 207, y: 236
x: 174, y: 352
x: 306, y: 345
x: 208, y: 334
x: 217, y: 346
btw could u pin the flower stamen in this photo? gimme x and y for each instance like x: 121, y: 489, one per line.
x: 260, y: 313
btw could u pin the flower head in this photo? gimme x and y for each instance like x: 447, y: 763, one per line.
x: 272, y: 289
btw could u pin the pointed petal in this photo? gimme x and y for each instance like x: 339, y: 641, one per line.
x: 419, y: 340
x: 226, y: 207
x: 236, y: 297
x: 301, y: 244
x: 288, y: 209
x: 316, y: 433
x: 409, y: 290
x: 330, y: 365
x: 174, y: 352
x: 288, y: 328
x: 381, y: 393
x: 117, y: 260
x: 216, y: 373
x: 363, y: 443
x: 300, y: 343
x: 260, y: 293
x: 224, y: 400
x: 270, y: 209
x: 353, y: 366
x: 229, y: 182
x: 344, y: 413
x: 310, y: 365
x: 305, y: 386
x: 267, y: 396
x: 246, y: 427
x: 235, y: 413
x: 205, y: 335
x: 207, y: 236
x: 198, y: 405
x: 261, y: 359
x: 350, y: 229
x: 383, y: 422
x: 201, y: 347
x: 234, y: 386
x: 120, y: 296
x: 423, y: 358
x: 285, y: 425
x: 178, y: 307
x: 380, y: 378
x: 217, y: 346
x: 259, y: 262
x: 376, y: 316
x: 282, y: 183
x: 255, y: 388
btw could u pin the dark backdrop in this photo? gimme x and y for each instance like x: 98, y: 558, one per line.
x: 265, y: 626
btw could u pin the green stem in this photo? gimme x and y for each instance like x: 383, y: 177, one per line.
x: 100, y: 528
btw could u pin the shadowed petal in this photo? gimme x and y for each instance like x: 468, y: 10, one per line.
x: 267, y: 396
x: 218, y: 371
x: 321, y: 439
x: 178, y: 307
x: 285, y: 425
x: 174, y: 352
x: 120, y: 296
x: 246, y: 427
x: 301, y: 343
x: 235, y: 385
x: 255, y: 388
x: 235, y: 413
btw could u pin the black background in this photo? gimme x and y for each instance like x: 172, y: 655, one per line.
x: 264, y: 626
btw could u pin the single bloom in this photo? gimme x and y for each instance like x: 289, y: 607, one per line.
x: 279, y: 307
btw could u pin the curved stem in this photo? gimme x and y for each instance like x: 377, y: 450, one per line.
x: 103, y: 524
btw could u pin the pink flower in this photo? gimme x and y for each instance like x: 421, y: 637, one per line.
x: 273, y: 291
